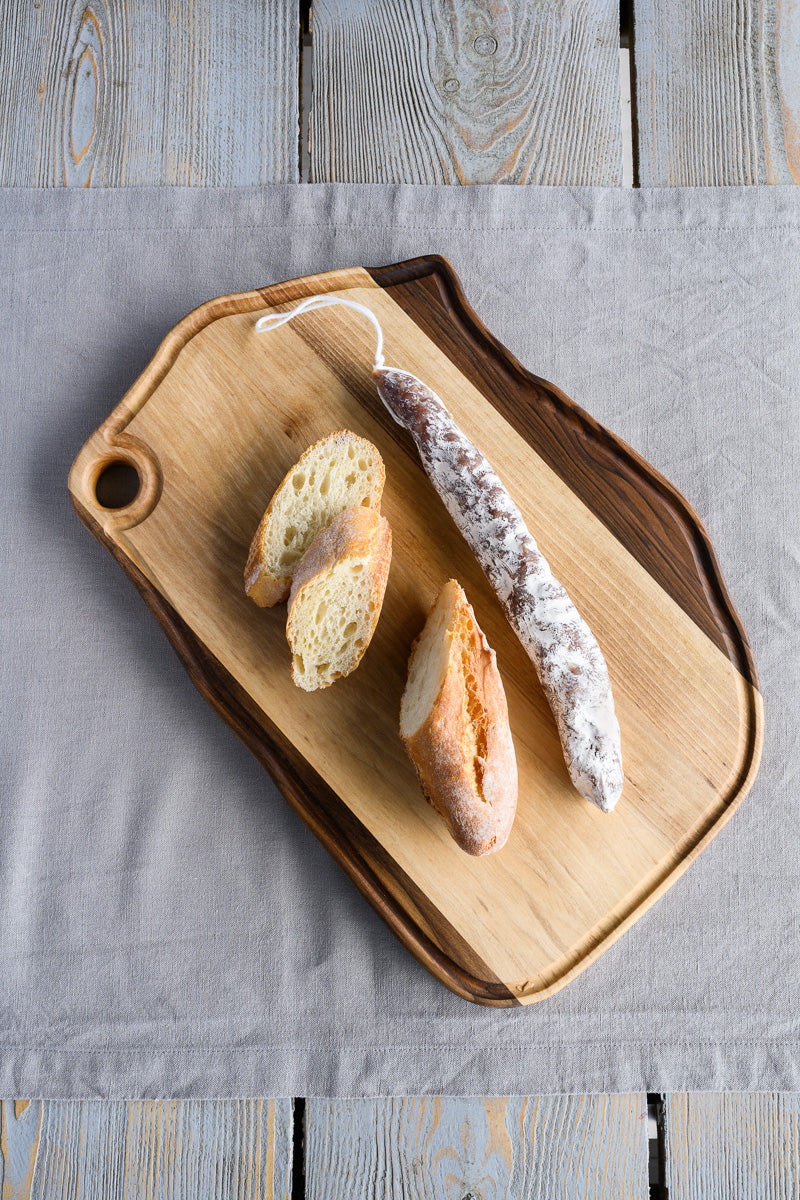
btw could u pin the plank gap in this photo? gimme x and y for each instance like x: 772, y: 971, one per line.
x: 298, y: 1191
x: 305, y: 79
x: 656, y: 1116
x: 628, y: 42
x: 625, y: 20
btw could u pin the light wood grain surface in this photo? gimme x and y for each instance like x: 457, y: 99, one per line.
x: 110, y: 93
x: 138, y: 1150
x: 592, y: 1147
x: 717, y: 91
x: 733, y: 1146
x: 466, y: 91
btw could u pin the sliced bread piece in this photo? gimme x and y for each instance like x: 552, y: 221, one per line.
x: 341, y: 471
x: 454, y: 725
x: 336, y: 597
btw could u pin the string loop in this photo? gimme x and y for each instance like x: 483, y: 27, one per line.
x: 273, y: 320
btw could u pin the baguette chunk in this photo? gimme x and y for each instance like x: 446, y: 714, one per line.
x: 336, y: 597
x: 454, y: 725
x: 340, y: 471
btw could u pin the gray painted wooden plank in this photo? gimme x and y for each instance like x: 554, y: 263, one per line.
x: 732, y: 1146
x: 717, y: 91
x: 592, y: 1147
x: 466, y: 91
x: 20, y: 1125
x: 131, y: 1150
x: 114, y: 92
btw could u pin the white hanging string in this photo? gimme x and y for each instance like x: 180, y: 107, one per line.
x: 264, y: 324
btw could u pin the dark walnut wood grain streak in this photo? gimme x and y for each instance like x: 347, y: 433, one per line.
x: 475, y: 92
x: 404, y: 907
x: 641, y: 508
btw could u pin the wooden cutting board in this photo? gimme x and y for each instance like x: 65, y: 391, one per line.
x: 212, y: 426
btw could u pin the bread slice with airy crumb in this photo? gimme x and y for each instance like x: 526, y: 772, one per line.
x: 336, y: 597
x: 341, y: 471
x: 454, y: 725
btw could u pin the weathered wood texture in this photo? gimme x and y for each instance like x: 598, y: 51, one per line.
x: 466, y: 91
x: 133, y: 1150
x: 717, y: 91
x: 113, y: 92
x: 590, y: 1147
x: 732, y: 1146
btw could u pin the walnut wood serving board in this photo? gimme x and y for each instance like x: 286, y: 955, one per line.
x: 211, y: 428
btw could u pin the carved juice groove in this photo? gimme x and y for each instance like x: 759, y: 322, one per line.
x: 430, y: 294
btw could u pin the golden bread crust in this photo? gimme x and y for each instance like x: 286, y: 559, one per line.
x: 462, y: 750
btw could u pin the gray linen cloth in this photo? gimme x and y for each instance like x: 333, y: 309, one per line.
x: 169, y: 927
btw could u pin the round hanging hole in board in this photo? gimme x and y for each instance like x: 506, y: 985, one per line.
x: 117, y: 485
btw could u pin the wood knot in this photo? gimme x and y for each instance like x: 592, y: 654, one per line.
x: 451, y: 85
x: 485, y: 45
